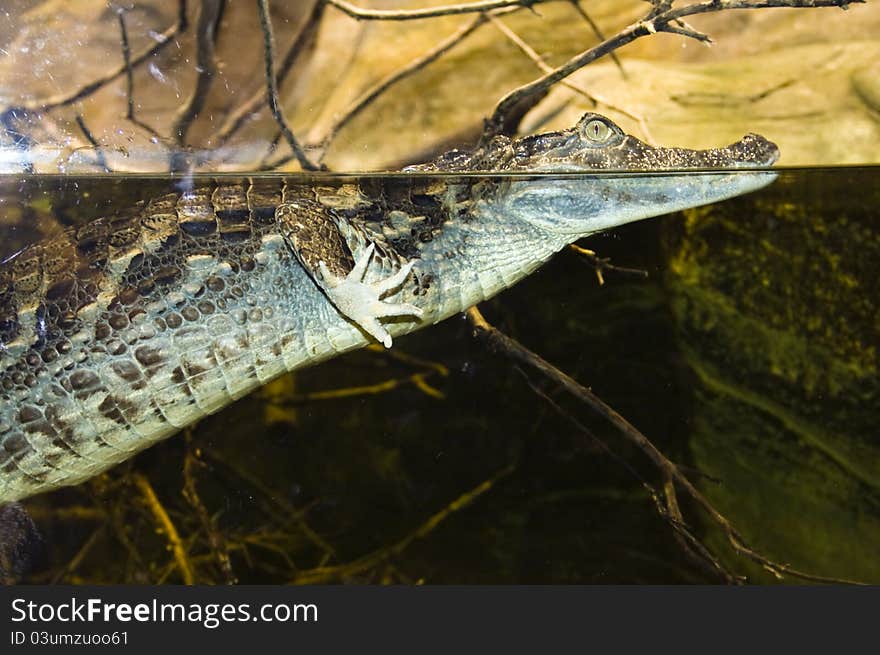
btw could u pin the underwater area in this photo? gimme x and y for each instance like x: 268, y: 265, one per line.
x: 748, y: 355
x: 692, y: 398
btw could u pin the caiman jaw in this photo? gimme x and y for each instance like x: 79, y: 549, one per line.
x: 620, y: 179
x: 752, y: 151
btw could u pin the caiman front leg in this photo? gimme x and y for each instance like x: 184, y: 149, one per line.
x: 362, y: 302
x: 312, y: 232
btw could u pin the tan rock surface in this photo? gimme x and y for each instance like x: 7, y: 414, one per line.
x: 825, y: 111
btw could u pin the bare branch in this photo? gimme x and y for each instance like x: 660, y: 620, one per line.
x: 530, y: 52
x: 325, y: 574
x: 602, y: 264
x: 281, y: 510
x: 511, y: 348
x: 129, y: 76
x: 80, y: 555
x: 690, y: 545
x: 216, y: 539
x: 431, y: 12
x: 371, y: 94
x: 542, y: 64
x: 683, y: 29
x: 599, y: 34
x: 668, y: 510
x: 657, y: 20
x: 126, y: 60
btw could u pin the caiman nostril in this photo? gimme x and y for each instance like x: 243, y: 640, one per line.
x: 754, y: 150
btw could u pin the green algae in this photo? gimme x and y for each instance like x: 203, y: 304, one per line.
x: 776, y: 309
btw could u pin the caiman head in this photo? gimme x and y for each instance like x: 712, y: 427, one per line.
x: 593, y: 176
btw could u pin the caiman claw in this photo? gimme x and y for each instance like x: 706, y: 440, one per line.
x: 362, y: 302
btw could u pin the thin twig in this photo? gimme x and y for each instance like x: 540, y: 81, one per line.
x: 692, y: 547
x: 80, y: 555
x: 418, y: 380
x: 129, y: 77
x: 116, y: 518
x: 542, y: 64
x: 599, y: 34
x: 368, y: 96
x: 532, y: 54
x: 166, y: 526
x: 100, y: 159
x: 602, y: 264
x: 668, y: 511
x: 126, y: 59
x: 272, y: 89
x: 371, y: 560
x: 411, y: 360
x: 219, y: 547
x: 73, y: 513
x: 290, y: 513
x: 431, y: 12
x: 247, y: 110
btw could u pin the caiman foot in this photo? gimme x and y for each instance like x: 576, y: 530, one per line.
x: 362, y: 302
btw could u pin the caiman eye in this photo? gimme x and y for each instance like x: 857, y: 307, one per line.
x: 597, y: 131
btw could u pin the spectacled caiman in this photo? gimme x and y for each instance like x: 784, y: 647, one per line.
x: 116, y: 335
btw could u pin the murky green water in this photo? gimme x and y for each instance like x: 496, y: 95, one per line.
x: 748, y: 356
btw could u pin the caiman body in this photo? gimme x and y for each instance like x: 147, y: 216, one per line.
x: 116, y: 335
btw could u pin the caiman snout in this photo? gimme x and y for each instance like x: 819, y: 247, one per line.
x: 754, y: 150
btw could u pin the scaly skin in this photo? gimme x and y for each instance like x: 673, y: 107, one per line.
x: 117, y: 335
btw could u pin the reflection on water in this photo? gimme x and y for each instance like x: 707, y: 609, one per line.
x: 749, y: 356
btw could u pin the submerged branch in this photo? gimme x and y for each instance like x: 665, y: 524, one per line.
x: 602, y: 264
x: 370, y: 561
x: 666, y: 503
x: 216, y: 539
x: 166, y: 526
x: 509, y: 347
